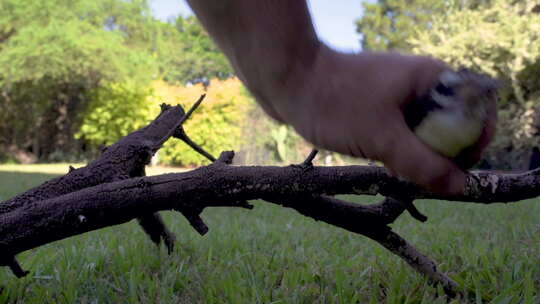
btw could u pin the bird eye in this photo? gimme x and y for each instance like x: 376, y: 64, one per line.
x: 444, y: 90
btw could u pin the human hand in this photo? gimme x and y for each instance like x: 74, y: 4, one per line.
x: 347, y: 103
x: 353, y: 104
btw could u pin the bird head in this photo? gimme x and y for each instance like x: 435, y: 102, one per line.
x: 456, y: 118
x: 471, y: 93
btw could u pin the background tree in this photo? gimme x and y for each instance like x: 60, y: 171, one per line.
x: 61, y: 60
x: 389, y: 24
x: 189, y: 54
x: 51, y: 54
x: 500, y: 39
x: 221, y: 116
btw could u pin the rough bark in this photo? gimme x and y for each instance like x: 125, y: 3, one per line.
x: 125, y: 159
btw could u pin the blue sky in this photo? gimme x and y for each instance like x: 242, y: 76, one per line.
x: 334, y: 20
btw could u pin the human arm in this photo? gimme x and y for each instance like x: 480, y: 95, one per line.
x: 349, y: 103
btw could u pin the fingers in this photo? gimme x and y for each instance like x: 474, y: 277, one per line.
x: 406, y: 156
x: 357, y: 111
x: 471, y: 156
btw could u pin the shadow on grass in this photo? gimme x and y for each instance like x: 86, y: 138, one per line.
x: 13, y: 183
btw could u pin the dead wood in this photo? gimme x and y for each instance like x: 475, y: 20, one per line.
x: 114, y: 189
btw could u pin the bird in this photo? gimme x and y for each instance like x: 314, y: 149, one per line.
x: 455, y: 118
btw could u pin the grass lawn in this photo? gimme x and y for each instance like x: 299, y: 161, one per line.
x: 274, y: 255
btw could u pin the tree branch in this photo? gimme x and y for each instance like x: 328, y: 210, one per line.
x: 114, y: 189
x: 125, y: 159
x: 38, y: 223
x: 419, y: 262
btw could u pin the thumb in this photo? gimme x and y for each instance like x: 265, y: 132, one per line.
x: 408, y: 157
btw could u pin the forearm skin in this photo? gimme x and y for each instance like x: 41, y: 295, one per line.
x: 271, y: 44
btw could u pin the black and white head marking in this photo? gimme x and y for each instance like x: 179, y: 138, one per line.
x: 440, y: 97
x: 464, y: 92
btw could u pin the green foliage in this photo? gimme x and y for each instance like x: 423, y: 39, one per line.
x: 60, y: 41
x: 228, y: 119
x: 55, y: 56
x: 52, y: 53
x: 389, y: 24
x: 201, y: 59
x: 216, y: 125
x: 64, y: 51
x: 116, y: 110
x: 187, y: 54
x: 279, y: 135
x: 287, y: 144
x: 501, y: 39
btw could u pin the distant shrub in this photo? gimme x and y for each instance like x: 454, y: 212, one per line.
x: 115, y: 110
x: 216, y: 125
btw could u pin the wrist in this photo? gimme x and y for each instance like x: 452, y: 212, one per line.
x: 281, y: 85
x: 305, y: 99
